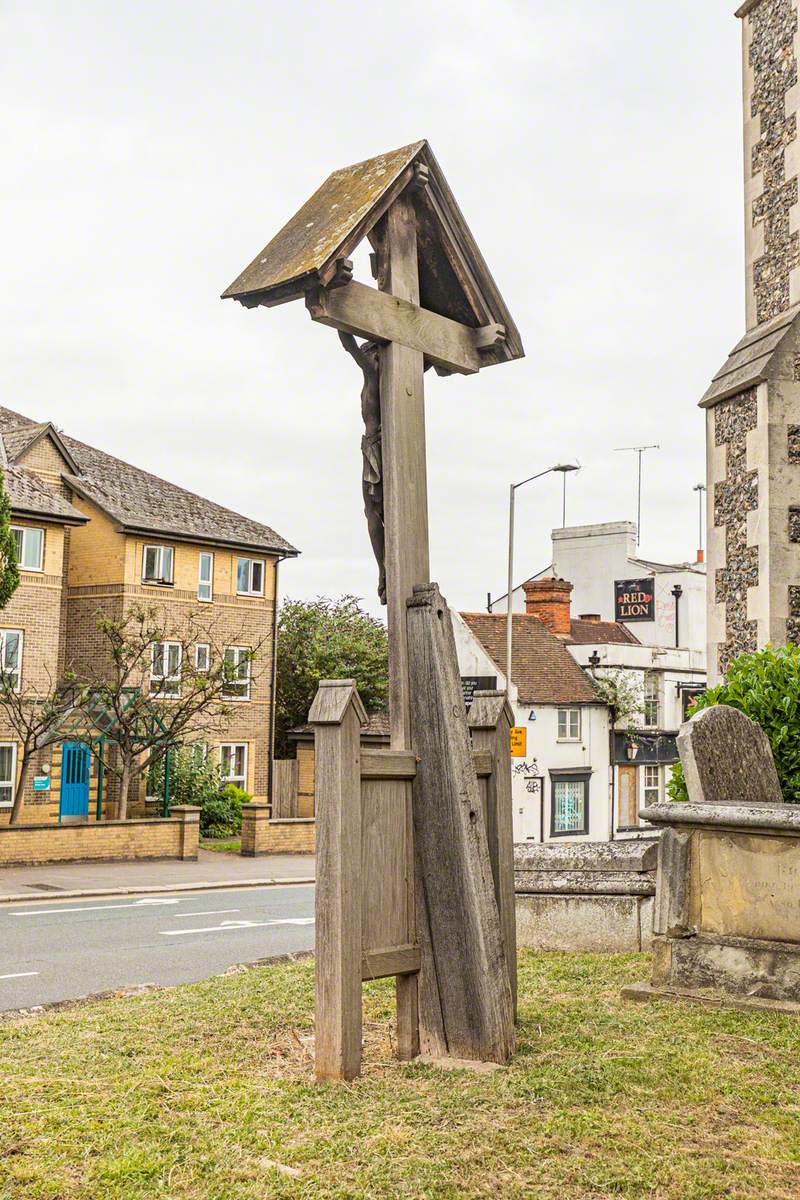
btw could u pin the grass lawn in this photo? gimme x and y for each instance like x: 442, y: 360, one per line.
x: 206, y: 1092
x: 231, y: 845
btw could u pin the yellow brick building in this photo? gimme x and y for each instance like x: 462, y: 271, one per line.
x: 97, y: 536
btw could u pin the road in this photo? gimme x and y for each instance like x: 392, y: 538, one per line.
x: 55, y: 950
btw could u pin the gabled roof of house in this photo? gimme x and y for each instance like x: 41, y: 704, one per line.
x: 30, y: 496
x: 135, y: 500
x: 589, y: 633
x: 542, y: 668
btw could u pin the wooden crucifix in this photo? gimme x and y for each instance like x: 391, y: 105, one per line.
x: 437, y: 305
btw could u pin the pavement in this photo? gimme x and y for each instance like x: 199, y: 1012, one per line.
x: 57, y: 950
x: 212, y: 870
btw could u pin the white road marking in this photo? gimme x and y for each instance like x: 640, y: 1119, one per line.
x: 19, y: 975
x: 48, y: 912
x: 211, y: 912
x: 233, y: 926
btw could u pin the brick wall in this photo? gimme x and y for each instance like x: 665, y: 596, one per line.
x: 107, y: 841
x: 260, y: 835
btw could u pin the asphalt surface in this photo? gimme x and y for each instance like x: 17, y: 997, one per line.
x: 62, y: 950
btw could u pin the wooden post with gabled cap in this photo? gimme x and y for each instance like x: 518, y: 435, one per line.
x: 436, y: 305
x: 338, y: 716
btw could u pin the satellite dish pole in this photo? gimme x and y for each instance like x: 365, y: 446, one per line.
x: 640, y: 451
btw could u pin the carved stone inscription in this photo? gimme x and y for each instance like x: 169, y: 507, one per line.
x: 749, y: 885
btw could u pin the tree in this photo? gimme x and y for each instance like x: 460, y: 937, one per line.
x: 32, y: 714
x: 9, y: 567
x: 623, y: 691
x: 149, y: 690
x: 326, y: 639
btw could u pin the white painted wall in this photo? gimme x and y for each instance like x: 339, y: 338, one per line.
x: 544, y: 752
x: 593, y: 557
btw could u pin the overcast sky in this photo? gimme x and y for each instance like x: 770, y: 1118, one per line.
x: 152, y: 148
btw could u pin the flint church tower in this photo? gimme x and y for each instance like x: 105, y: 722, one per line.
x: 753, y: 403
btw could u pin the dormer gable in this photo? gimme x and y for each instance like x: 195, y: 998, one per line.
x: 40, y: 449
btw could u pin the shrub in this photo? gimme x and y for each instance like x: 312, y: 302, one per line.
x: 766, y: 687
x: 194, y: 777
x: 221, y: 814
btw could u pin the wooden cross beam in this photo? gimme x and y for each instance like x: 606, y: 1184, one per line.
x: 382, y: 317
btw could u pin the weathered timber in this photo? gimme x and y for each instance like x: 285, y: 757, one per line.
x: 466, y: 938
x: 388, y: 764
x: 406, y: 517
x: 727, y: 759
x: 382, y: 317
x: 396, y: 960
x: 490, y: 721
x: 337, y: 715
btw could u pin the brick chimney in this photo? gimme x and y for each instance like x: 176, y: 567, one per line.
x: 548, y: 599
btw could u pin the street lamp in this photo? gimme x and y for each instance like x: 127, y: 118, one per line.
x: 700, y: 488
x: 563, y: 468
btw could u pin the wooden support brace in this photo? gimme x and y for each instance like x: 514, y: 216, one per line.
x: 490, y: 721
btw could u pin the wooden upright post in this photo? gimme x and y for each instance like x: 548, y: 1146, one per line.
x: 405, y: 499
x: 337, y: 715
x: 490, y: 720
x: 403, y: 447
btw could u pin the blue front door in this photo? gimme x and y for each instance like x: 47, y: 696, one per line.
x: 74, y: 780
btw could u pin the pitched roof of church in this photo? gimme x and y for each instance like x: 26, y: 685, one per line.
x: 541, y: 666
x: 135, y: 500
x: 753, y: 359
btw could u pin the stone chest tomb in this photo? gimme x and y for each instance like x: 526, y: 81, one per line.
x: 727, y: 909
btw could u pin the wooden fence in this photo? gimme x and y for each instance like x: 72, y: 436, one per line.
x: 366, y: 925
x: 285, y: 788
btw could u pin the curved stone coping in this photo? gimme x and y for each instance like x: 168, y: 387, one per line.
x: 725, y: 816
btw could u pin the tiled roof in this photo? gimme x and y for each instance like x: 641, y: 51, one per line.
x: 590, y: 633
x: 139, y: 501
x: 542, y: 668
x: 28, y: 494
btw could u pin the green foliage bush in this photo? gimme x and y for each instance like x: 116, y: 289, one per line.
x: 766, y: 687
x: 326, y: 639
x: 221, y: 814
x: 195, y: 779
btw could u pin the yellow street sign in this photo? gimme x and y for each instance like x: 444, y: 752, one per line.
x: 519, y: 741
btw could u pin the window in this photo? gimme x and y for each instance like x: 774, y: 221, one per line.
x: 652, y: 785
x: 11, y: 656
x: 233, y: 763
x: 570, y: 805
x: 651, y: 705
x: 250, y: 576
x: 199, y: 753
x: 205, y: 578
x: 8, y: 773
x: 165, y: 669
x: 237, y: 673
x: 157, y: 564
x: 202, y: 652
x: 30, y: 547
x: 569, y: 724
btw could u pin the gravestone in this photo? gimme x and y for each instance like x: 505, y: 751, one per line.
x: 727, y: 759
x: 727, y: 910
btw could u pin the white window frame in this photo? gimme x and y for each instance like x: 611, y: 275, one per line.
x: 11, y: 784
x: 250, y: 590
x: 238, y: 780
x: 24, y: 530
x: 209, y: 583
x: 651, y: 792
x: 238, y: 651
x: 568, y: 736
x: 198, y: 647
x: 650, y: 698
x: 160, y: 551
x: 158, y: 682
x: 3, y: 646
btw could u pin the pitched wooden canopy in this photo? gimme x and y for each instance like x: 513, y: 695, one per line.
x: 454, y: 279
